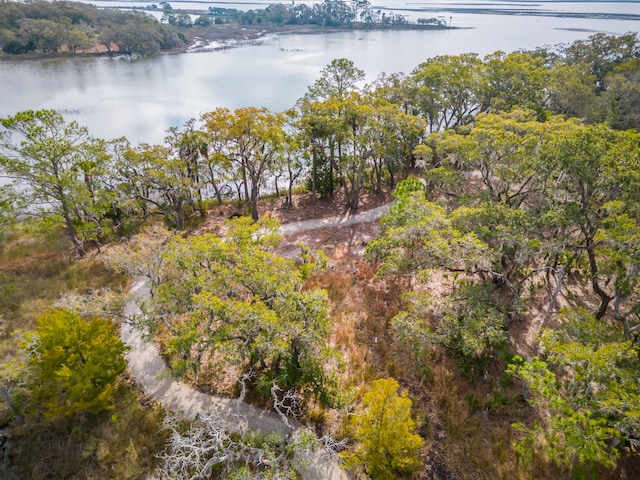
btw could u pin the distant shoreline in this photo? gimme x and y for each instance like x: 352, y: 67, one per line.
x: 230, y: 36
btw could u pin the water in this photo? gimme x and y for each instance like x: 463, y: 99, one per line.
x: 140, y: 99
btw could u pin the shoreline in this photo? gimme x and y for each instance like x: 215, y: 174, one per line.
x: 229, y: 36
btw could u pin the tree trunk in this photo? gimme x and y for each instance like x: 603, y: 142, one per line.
x: 289, y: 200
x: 218, y: 194
x: 313, y: 172
x: 392, y: 179
x: 71, y: 231
x: 244, y: 181
x: 254, y: 201
x: 4, y: 392
x: 605, y: 298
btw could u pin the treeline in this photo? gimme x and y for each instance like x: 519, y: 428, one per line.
x: 341, y: 135
x: 49, y: 27
x: 530, y: 226
x: 329, y: 13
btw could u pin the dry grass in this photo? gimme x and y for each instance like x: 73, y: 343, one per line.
x: 361, y: 310
x: 35, y: 270
x: 118, y: 444
x: 36, y: 266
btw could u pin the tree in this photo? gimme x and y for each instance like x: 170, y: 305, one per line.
x: 251, y: 140
x: 45, y: 34
x: 338, y: 79
x: 571, y: 92
x: 600, y: 53
x: 594, y: 187
x: 9, y: 199
x: 189, y: 150
x: 585, y: 387
x: 204, y: 21
x: 56, y: 160
x: 513, y: 79
x: 320, y: 121
x: 232, y: 304
x: 80, y: 36
x: 74, y: 363
x: 384, y: 427
x: 139, y: 34
x: 295, y: 154
x: 166, y: 180
x: 393, y: 137
x: 418, y: 235
x: 620, y: 101
x: 206, y: 448
x: 445, y: 90
x: 572, y: 437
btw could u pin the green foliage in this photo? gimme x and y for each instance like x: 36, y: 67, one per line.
x: 384, y: 427
x: 119, y: 444
x: 571, y: 434
x: 472, y: 321
x: 48, y: 26
x: 166, y: 178
x: 354, y: 136
x: 413, y: 334
x: 445, y: 90
x: 9, y: 201
x: 419, y: 235
x: 73, y: 364
x: 588, y: 383
x: 543, y: 199
x: 468, y: 320
x: 233, y: 303
x: 536, y: 177
x: 513, y: 79
x: 249, y: 140
x: 601, y: 366
x: 600, y: 53
x: 62, y: 166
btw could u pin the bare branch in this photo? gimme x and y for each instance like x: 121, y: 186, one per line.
x: 288, y: 406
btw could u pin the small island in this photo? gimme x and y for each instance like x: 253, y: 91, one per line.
x: 43, y: 28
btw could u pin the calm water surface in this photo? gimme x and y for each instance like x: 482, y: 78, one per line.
x: 140, y: 99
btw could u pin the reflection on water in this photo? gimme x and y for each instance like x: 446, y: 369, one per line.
x: 142, y: 98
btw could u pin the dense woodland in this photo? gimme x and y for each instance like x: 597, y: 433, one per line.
x: 502, y: 291
x: 50, y: 27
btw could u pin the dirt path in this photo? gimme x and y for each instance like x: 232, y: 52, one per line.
x: 149, y: 369
x: 337, y: 221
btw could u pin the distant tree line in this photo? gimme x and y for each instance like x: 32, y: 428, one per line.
x: 329, y: 13
x: 49, y: 27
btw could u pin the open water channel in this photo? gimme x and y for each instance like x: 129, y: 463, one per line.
x: 141, y: 98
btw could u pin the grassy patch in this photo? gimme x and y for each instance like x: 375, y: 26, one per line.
x: 36, y: 266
